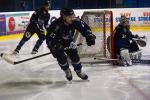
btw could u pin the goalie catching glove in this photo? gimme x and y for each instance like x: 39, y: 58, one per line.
x: 90, y: 39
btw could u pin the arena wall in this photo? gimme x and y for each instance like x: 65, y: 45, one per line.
x: 15, y: 23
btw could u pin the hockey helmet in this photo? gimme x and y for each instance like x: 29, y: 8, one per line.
x: 47, y: 3
x: 125, y: 20
x: 66, y: 12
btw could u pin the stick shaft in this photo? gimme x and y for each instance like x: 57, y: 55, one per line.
x: 21, y: 61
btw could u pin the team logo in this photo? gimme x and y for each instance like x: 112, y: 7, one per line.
x: 28, y: 34
x: 11, y: 23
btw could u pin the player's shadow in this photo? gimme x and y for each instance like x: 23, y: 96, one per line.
x: 33, y: 84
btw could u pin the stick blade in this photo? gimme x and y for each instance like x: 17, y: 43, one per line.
x: 5, y: 57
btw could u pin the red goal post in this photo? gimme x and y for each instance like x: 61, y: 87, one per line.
x: 101, y: 24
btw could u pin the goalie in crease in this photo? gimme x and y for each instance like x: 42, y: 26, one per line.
x: 60, y: 35
x: 122, y: 42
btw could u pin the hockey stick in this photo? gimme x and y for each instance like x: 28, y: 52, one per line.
x: 144, y: 61
x: 107, y: 59
x: 7, y: 59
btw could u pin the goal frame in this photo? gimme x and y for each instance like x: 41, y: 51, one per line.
x: 103, y: 13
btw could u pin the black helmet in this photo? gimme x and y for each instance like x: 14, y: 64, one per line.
x: 47, y: 3
x: 124, y: 19
x: 66, y: 12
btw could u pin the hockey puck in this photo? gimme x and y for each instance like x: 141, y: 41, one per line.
x: 2, y: 54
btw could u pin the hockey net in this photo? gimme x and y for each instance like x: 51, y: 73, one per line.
x: 101, y: 24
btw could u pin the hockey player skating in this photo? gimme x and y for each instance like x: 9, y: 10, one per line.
x: 39, y: 19
x: 122, y: 38
x: 60, y: 35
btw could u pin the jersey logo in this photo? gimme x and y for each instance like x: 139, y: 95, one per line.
x: 124, y: 36
x: 27, y: 34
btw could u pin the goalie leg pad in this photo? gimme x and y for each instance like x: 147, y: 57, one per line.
x: 126, y: 57
x: 136, y: 55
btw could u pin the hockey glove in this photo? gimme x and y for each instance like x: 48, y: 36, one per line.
x: 90, y: 39
x: 72, y: 45
x: 136, y: 36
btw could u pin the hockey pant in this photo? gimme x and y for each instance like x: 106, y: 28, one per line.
x: 61, y: 57
x: 28, y: 34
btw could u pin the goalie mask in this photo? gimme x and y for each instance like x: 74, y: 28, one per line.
x: 124, y: 21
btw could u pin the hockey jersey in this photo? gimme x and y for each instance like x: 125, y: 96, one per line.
x: 122, y: 37
x: 40, y: 17
x: 58, y: 31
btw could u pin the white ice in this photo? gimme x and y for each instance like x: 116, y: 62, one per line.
x: 42, y: 78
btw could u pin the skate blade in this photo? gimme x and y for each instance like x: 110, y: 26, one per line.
x: 81, y: 80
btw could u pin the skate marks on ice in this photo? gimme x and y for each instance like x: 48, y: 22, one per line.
x: 27, y: 89
x: 45, y: 82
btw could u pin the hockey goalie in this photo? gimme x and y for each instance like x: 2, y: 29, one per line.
x: 126, y: 44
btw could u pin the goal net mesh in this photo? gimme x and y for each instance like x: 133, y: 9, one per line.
x: 101, y: 24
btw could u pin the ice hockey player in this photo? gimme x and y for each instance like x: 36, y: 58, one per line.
x: 38, y: 20
x: 60, y: 36
x: 122, y: 38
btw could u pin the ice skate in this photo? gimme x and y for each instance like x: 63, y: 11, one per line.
x: 82, y: 75
x: 68, y: 74
x: 15, y: 52
x: 34, y: 52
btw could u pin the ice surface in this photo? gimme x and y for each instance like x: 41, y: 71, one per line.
x: 42, y: 79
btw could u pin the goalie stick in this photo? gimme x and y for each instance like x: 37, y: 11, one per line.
x: 144, y: 61
x: 7, y: 59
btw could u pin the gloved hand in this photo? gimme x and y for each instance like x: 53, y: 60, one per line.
x: 72, y: 45
x: 136, y: 36
x: 90, y: 39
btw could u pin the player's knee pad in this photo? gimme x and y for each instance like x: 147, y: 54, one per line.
x: 64, y: 66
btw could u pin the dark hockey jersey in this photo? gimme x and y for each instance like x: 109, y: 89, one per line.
x: 122, y: 37
x: 40, y: 18
x: 60, y: 31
